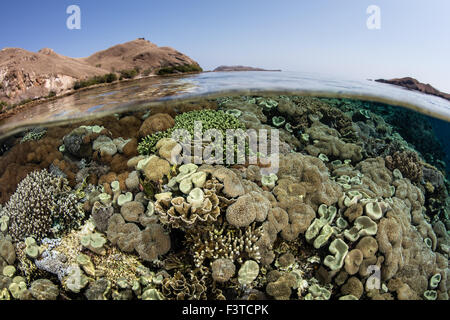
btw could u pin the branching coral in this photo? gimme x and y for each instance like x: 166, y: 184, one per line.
x: 42, y: 205
x: 228, y: 242
x: 407, y: 162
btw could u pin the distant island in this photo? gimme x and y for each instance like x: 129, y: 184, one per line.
x: 239, y: 68
x: 28, y: 76
x: 413, y: 84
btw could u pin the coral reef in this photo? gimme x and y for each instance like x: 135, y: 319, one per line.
x: 356, y: 208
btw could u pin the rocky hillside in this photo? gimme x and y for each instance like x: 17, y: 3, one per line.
x: 29, y: 75
x: 140, y: 54
x: 238, y: 68
x: 413, y: 84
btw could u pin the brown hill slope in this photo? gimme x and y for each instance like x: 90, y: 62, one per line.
x: 30, y: 75
x: 25, y: 74
x: 413, y: 84
x: 238, y: 68
x: 138, y: 53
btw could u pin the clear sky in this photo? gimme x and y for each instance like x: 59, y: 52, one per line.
x: 325, y: 36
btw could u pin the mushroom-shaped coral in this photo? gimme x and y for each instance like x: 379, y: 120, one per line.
x: 353, y: 287
x: 124, y: 235
x: 354, y: 211
x: 269, y: 180
x: 7, y: 251
x: 169, y: 149
x: 300, y: 218
x: 132, y: 210
x: 156, y: 168
x: 248, y: 208
x: 44, y: 289
x: 153, y: 242
x: 248, y: 272
x: 94, y: 242
x: 339, y: 249
x: 368, y: 246
x: 281, y: 288
x: 363, y: 226
x: 105, y: 146
x: 327, y: 141
x: 188, y: 178
x: 373, y: 210
x: 232, y: 185
x: 352, y: 261
x: 389, y: 239
x: 100, y: 215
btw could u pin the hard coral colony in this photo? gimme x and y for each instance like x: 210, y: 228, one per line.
x: 105, y: 210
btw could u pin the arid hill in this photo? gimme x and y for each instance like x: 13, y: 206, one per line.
x: 139, y: 53
x: 238, y: 68
x: 413, y: 84
x: 30, y: 75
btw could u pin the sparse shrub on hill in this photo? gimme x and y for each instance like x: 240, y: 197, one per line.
x: 180, y: 69
x: 107, y: 78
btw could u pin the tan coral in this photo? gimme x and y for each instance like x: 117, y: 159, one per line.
x: 156, y: 123
x: 169, y: 149
x: 156, y: 168
x: 247, y: 209
x: 300, y: 218
x: 376, y: 176
x: 153, y: 242
x: 232, y: 185
x: 180, y: 213
x: 305, y: 179
x: 327, y: 141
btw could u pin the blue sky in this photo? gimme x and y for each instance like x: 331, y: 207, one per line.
x: 325, y: 36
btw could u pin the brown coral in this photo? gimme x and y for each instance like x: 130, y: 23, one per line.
x: 248, y: 208
x: 156, y: 168
x: 156, y: 123
x: 153, y: 242
x: 178, y: 287
x: 352, y: 261
x: 304, y: 179
x: 327, y: 141
x: 223, y: 270
x: 408, y: 162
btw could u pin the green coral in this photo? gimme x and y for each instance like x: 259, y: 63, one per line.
x: 210, y: 119
x: 34, y: 135
x: 339, y: 249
